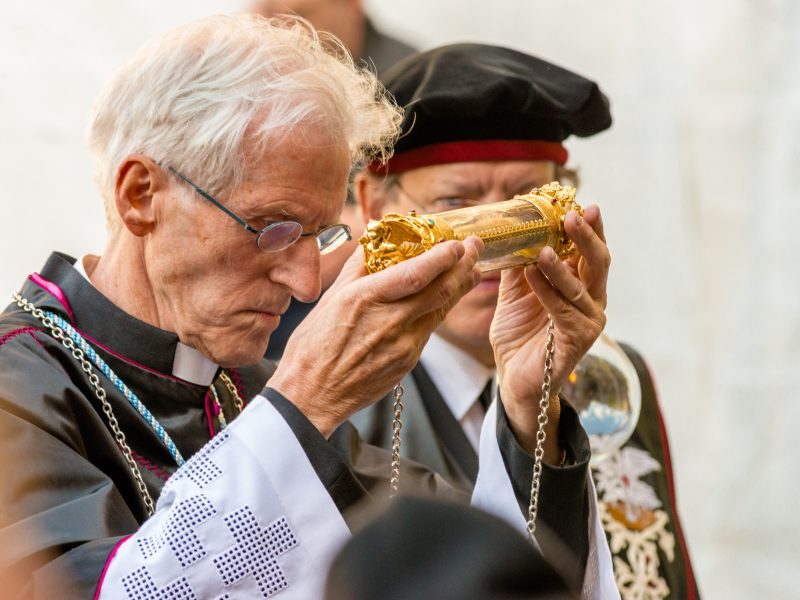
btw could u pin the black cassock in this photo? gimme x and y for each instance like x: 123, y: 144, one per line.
x: 67, y: 493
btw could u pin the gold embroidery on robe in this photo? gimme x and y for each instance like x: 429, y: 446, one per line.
x: 637, y: 527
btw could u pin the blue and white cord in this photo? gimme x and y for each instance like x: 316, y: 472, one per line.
x: 133, y: 399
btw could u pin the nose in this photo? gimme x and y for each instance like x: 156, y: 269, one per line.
x: 495, y: 195
x: 298, y: 269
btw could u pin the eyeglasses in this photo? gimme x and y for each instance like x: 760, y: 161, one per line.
x: 439, y: 205
x: 279, y: 235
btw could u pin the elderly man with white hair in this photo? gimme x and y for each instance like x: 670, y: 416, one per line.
x: 222, y: 152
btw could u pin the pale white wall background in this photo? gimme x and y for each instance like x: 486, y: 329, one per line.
x: 698, y: 180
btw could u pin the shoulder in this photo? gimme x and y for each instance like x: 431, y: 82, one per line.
x: 22, y: 344
x: 39, y: 378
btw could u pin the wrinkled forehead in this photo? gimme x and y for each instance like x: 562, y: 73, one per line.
x: 302, y: 174
x: 318, y: 133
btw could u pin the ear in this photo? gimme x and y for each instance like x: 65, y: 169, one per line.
x: 371, y: 195
x: 138, y: 180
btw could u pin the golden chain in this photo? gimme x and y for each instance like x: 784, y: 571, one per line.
x: 237, y: 399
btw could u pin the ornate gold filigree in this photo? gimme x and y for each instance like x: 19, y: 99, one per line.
x: 513, y: 231
x: 635, y: 552
x: 396, y: 238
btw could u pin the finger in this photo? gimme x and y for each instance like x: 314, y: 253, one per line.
x: 430, y: 308
x: 569, y: 287
x: 474, y: 244
x: 593, y: 269
x: 552, y: 301
x: 447, y: 289
x: 416, y: 274
x: 413, y: 275
x: 592, y: 215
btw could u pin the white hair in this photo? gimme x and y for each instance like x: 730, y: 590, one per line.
x: 192, y: 97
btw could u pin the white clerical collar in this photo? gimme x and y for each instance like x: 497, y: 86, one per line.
x: 189, y: 364
x: 459, y: 378
x: 192, y: 366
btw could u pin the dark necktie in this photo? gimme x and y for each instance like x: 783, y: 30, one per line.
x: 486, y: 395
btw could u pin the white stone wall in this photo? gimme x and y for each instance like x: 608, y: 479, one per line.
x: 698, y: 181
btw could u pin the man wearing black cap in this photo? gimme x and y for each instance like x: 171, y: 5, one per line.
x: 482, y: 124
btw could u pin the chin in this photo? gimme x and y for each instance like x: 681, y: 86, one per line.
x: 472, y: 316
x: 467, y: 333
x: 248, y: 344
x: 241, y: 353
x: 480, y: 299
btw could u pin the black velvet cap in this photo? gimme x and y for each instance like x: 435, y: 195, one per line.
x: 464, y: 93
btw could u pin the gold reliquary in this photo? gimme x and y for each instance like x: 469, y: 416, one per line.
x: 513, y: 231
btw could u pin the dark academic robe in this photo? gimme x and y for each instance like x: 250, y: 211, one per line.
x: 67, y: 495
x: 432, y: 436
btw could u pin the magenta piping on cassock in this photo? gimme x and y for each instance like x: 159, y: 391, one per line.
x: 108, y: 564
x: 53, y: 289
x: 208, y: 413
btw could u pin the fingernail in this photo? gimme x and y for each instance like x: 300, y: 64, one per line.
x: 578, y: 219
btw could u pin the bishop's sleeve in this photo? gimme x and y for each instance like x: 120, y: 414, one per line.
x: 247, y: 516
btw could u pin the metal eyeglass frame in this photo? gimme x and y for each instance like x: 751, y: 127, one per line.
x: 323, y: 244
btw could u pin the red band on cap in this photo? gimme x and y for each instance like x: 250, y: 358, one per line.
x: 468, y: 151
